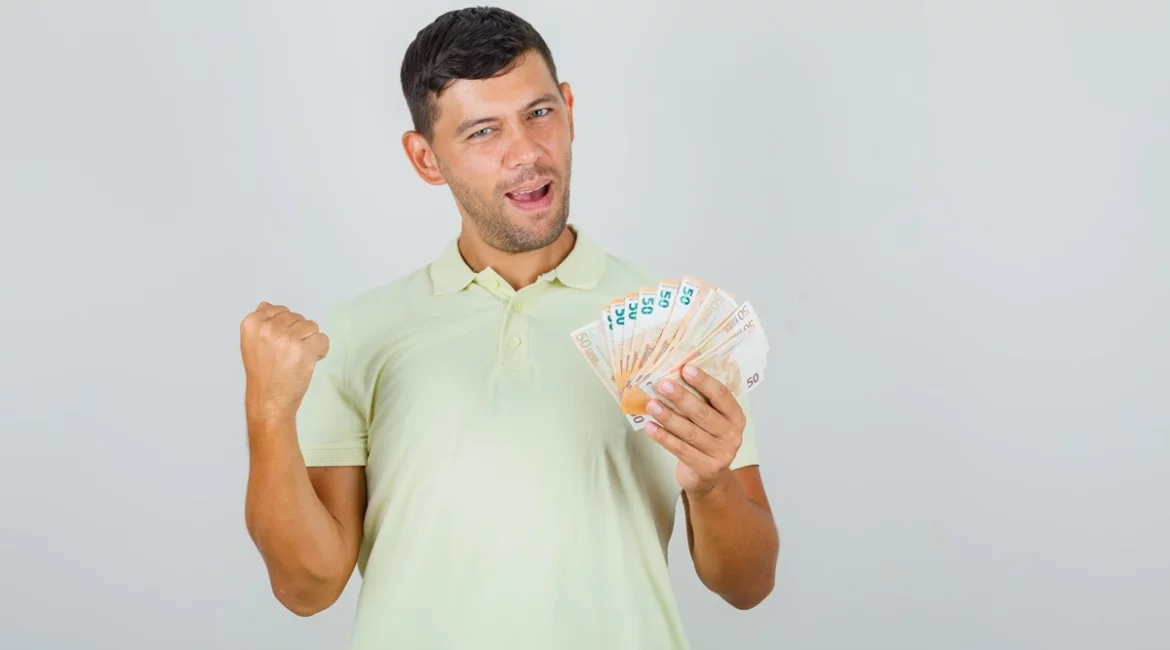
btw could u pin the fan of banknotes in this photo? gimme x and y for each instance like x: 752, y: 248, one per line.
x: 641, y: 338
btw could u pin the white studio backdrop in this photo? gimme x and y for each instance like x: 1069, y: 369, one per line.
x: 952, y: 218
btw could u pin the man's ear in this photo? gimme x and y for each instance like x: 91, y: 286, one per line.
x: 422, y: 158
x: 567, y: 96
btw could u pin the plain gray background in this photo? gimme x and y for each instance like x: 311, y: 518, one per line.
x: 952, y: 218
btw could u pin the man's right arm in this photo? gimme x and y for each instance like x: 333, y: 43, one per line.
x: 306, y: 522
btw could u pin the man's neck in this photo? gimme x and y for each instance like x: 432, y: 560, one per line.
x: 517, y: 269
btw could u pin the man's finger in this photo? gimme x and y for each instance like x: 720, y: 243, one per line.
x: 303, y: 329
x: 286, y: 319
x: 320, y: 344
x: 268, y: 310
x: 678, y: 426
x: 685, y: 452
x: 693, y: 408
x: 717, y: 394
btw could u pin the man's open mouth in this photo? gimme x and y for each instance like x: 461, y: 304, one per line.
x: 531, y: 195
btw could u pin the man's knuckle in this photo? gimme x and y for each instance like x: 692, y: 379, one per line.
x: 693, y: 433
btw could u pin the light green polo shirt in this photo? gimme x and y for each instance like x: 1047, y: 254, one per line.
x: 511, y: 504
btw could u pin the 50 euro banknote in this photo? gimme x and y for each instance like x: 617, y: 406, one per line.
x: 593, y: 343
x: 648, y: 335
x: 738, y: 362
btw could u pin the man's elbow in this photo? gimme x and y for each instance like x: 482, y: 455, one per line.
x: 304, y: 608
x: 309, y: 587
x: 307, y: 600
x: 304, y: 583
x: 750, y: 598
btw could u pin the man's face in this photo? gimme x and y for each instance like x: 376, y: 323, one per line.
x: 504, y: 147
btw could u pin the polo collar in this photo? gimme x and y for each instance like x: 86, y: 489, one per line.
x: 582, y: 268
x: 449, y: 273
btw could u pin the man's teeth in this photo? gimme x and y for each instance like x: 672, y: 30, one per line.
x: 531, y: 191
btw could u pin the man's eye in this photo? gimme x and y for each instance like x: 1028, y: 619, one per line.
x: 541, y: 112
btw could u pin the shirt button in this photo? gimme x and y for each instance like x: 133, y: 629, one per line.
x: 516, y: 306
x: 495, y: 284
x: 514, y: 341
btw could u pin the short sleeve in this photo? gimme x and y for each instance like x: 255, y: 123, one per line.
x: 331, y: 422
x: 748, y: 451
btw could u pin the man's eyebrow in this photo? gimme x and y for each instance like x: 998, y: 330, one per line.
x: 543, y: 99
x: 476, y: 121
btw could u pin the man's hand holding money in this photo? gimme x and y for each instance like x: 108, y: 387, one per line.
x: 704, y: 437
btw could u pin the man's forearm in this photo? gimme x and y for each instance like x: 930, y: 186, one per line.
x: 734, y: 543
x: 301, y: 542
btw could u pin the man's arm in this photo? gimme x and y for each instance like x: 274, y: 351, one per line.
x: 733, y: 539
x: 306, y: 522
x: 730, y: 529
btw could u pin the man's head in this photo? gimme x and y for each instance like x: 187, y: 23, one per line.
x: 491, y: 121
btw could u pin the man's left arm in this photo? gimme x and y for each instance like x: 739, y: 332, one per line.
x: 730, y: 529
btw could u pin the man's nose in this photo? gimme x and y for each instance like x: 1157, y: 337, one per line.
x: 522, y: 151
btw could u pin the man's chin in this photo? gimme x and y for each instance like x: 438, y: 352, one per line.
x: 535, y: 231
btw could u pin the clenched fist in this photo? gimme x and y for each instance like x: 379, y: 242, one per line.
x: 280, y: 349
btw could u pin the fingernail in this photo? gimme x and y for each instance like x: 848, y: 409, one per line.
x: 654, y: 408
x: 667, y: 386
x: 651, y: 427
x: 689, y: 371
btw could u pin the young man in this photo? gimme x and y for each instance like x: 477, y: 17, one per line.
x: 442, y: 433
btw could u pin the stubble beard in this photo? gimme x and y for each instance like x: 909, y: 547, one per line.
x: 495, y: 227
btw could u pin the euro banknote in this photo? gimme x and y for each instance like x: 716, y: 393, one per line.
x: 648, y: 335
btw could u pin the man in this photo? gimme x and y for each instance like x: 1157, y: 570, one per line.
x: 441, y: 432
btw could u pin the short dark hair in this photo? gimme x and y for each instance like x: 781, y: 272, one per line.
x: 471, y: 43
